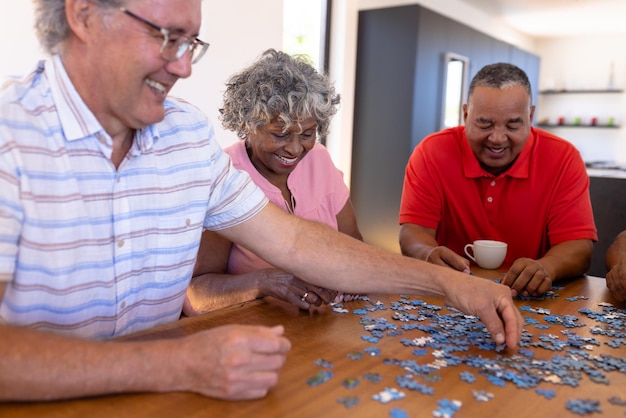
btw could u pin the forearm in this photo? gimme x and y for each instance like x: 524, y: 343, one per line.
x: 319, y: 255
x: 358, y: 268
x: 327, y: 258
x: 616, y: 252
x: 36, y: 365
x: 401, y: 274
x: 568, y: 259
x: 212, y: 291
x: 416, y: 241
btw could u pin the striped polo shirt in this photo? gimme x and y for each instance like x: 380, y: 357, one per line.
x: 94, y: 251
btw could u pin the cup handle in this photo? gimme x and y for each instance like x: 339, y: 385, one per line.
x: 467, y: 252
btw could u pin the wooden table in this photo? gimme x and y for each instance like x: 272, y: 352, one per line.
x: 332, y: 336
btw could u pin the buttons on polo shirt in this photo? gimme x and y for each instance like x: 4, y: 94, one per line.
x: 120, y: 243
x: 123, y: 304
x: 492, y: 184
x: 187, y: 221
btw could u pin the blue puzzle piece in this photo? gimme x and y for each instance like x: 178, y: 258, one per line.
x: 388, y: 395
x: 398, y: 413
x: 547, y: 393
x: 319, y: 378
x: 348, y: 401
x: 583, y: 406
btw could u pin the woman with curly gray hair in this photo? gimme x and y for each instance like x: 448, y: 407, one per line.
x: 278, y: 106
x: 278, y: 87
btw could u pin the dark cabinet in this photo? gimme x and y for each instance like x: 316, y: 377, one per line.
x: 608, y: 199
x: 399, y: 82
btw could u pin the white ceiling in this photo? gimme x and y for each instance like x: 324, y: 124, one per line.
x: 553, y: 18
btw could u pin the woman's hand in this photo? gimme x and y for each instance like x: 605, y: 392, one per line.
x: 287, y: 287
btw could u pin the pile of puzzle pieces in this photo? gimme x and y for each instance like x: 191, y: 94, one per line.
x: 448, y: 334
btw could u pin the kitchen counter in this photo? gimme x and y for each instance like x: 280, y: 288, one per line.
x: 607, y: 172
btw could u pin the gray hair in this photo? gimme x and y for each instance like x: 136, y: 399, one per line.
x: 278, y: 87
x: 500, y: 76
x: 51, y: 22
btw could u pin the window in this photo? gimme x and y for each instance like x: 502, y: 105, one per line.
x: 454, y: 89
x: 305, y: 24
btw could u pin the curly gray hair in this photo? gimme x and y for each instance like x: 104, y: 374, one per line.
x: 51, y: 21
x: 278, y: 87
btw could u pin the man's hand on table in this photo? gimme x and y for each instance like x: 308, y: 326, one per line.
x: 527, y: 277
x: 233, y: 362
x: 616, y: 281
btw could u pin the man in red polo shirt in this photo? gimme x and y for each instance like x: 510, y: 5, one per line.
x: 499, y: 178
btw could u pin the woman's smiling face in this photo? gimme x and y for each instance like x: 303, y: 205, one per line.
x: 497, y: 125
x: 275, y: 152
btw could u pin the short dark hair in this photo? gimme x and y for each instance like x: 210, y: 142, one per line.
x: 500, y: 75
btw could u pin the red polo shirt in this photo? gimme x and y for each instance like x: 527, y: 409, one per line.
x: 542, y: 200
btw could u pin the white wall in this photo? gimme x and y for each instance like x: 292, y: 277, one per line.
x: 238, y: 31
x: 19, y: 47
x: 585, y: 62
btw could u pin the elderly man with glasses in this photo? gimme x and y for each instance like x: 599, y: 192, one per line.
x: 106, y: 185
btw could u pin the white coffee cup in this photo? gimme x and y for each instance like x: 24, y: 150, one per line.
x: 487, y: 254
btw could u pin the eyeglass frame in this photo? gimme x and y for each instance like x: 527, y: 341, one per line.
x: 181, y: 48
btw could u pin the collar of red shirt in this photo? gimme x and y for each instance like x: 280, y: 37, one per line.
x: 519, y: 169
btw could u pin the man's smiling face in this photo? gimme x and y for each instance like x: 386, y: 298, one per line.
x: 497, y: 125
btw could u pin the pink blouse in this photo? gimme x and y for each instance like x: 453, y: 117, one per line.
x: 316, y: 185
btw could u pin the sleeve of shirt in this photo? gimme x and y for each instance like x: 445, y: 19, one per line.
x: 571, y: 214
x: 13, y: 122
x: 10, y: 210
x: 234, y: 197
x: 421, y: 202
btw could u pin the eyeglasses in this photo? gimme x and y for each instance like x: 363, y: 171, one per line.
x: 173, y: 48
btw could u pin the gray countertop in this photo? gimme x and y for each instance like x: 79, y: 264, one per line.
x: 606, y: 172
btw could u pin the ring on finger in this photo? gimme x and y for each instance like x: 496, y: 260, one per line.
x: 303, y: 298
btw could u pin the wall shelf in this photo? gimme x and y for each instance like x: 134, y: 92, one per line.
x: 582, y: 91
x: 570, y: 125
x: 599, y: 102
